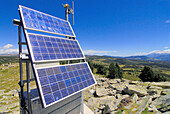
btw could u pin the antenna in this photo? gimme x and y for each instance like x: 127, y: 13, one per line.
x: 68, y: 10
x: 73, y: 11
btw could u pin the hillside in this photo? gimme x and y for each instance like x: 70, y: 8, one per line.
x: 131, y: 67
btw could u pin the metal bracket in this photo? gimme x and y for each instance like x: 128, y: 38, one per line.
x: 17, y: 22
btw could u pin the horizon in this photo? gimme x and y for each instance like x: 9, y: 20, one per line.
x: 113, y: 28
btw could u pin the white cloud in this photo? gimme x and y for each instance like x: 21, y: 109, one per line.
x: 95, y: 52
x: 160, y: 51
x: 155, y: 51
x: 8, y: 49
x: 166, y: 47
x: 167, y: 21
x: 8, y: 46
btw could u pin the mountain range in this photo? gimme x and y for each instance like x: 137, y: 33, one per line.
x: 152, y: 57
x: 149, y: 57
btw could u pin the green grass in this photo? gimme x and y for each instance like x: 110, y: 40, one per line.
x: 9, y: 78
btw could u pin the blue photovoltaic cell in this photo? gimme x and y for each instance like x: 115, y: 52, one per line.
x: 36, y: 20
x: 52, y: 48
x: 58, y: 82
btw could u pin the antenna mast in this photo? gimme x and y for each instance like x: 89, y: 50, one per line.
x: 69, y: 10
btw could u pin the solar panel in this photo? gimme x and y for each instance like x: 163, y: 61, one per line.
x: 60, y: 82
x: 39, y: 21
x: 46, y: 48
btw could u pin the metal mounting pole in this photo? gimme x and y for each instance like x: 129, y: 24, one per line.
x: 28, y: 87
x: 21, y: 72
x: 66, y: 6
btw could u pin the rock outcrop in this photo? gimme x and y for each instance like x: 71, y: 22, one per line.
x: 111, y: 96
x: 162, y: 103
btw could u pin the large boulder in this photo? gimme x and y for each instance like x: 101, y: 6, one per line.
x: 155, y: 87
x: 111, y: 92
x: 139, y: 90
x: 162, y: 103
x: 164, y: 85
x: 101, y: 92
x: 93, y: 103
x: 117, y: 101
x: 118, y: 86
x: 101, y: 102
x: 108, y: 102
x: 154, y: 93
x: 144, y: 103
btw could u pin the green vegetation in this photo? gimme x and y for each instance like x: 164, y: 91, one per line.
x: 148, y: 75
x: 9, y: 78
x: 8, y: 59
x: 115, y: 71
x: 101, y: 70
x: 91, y: 66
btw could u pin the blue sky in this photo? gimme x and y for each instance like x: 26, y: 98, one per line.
x: 103, y: 27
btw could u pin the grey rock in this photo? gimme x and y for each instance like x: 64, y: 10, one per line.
x: 106, y: 110
x: 101, y: 92
x: 128, y: 106
x: 164, y: 85
x: 109, y: 101
x: 101, y: 102
x: 152, y: 108
x: 134, y: 98
x: 139, y: 90
x: 162, y: 103
x: 111, y: 92
x: 155, y: 87
x: 145, y: 102
x: 93, y: 103
x: 134, y: 109
x: 123, y: 112
x: 118, y: 96
x: 117, y: 101
x: 118, y: 86
x: 154, y: 93
x: 91, y: 91
x: 134, y: 82
x: 166, y: 112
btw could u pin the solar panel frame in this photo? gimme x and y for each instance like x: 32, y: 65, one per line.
x: 40, y: 87
x: 24, y: 24
x: 39, y: 61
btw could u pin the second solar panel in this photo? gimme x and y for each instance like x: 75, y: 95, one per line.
x: 45, y: 48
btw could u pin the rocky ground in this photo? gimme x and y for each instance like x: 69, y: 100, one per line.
x: 112, y: 96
